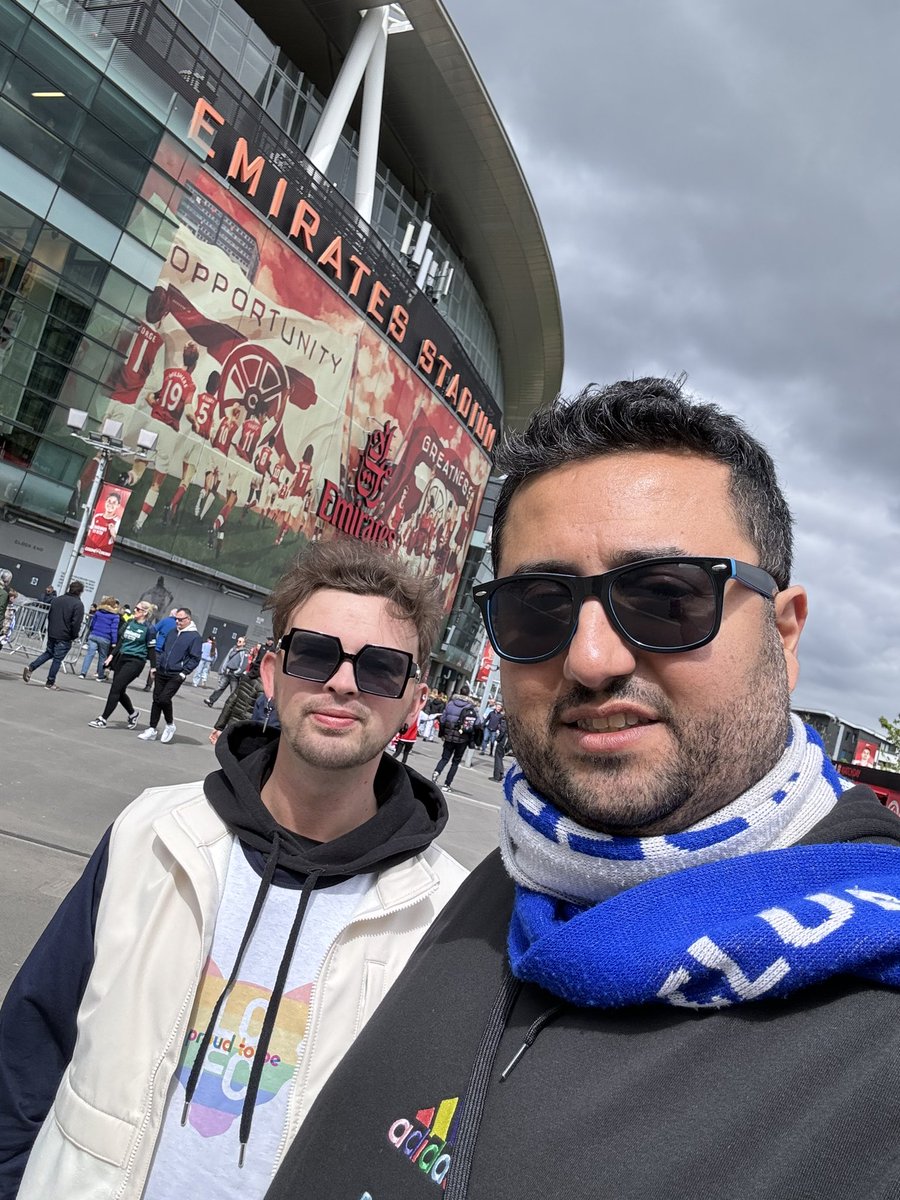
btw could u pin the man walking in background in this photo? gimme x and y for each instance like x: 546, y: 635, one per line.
x: 163, y: 629
x: 64, y: 621
x: 457, y: 723
x: 180, y: 655
x: 233, y: 667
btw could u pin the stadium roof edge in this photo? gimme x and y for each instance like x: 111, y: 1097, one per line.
x: 438, y: 109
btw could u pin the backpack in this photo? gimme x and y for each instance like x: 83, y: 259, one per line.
x: 457, y: 727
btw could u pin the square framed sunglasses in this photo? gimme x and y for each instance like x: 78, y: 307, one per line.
x: 664, y: 605
x: 378, y: 670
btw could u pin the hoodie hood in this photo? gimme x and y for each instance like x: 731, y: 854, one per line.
x: 411, y: 810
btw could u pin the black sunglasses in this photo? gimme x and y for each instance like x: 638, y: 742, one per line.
x: 666, y: 605
x: 378, y: 670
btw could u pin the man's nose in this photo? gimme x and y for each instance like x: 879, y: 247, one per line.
x: 343, y: 680
x: 598, y: 652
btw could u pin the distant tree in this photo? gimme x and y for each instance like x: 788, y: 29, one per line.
x: 892, y: 729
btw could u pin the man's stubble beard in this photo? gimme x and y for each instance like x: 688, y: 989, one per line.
x: 715, y: 761
x: 335, y: 752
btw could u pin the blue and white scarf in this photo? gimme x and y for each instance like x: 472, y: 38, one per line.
x: 726, y: 912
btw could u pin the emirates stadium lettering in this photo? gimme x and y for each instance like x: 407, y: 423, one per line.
x: 273, y: 195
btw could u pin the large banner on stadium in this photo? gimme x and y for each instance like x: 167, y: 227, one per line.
x: 281, y: 414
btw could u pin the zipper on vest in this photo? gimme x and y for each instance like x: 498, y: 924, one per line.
x: 129, y: 1166
x: 297, y: 1088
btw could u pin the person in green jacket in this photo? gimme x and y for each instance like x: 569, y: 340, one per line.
x: 136, y: 647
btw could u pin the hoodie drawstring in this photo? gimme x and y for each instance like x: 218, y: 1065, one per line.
x: 544, y: 1019
x: 264, y: 884
x: 476, y: 1092
x: 268, y: 1024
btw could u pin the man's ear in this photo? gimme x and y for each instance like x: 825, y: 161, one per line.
x: 791, y: 609
x: 267, y: 673
x: 419, y: 696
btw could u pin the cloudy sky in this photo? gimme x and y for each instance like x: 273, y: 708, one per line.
x: 720, y: 189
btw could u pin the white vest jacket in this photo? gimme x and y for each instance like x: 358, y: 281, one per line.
x: 168, y: 856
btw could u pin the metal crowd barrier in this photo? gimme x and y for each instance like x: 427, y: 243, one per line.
x: 28, y: 634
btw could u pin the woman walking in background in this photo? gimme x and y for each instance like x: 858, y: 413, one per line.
x: 136, y: 648
x: 103, y: 637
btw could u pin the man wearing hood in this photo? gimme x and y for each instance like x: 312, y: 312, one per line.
x: 678, y: 977
x: 230, y: 938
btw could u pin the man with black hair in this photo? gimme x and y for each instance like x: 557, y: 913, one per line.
x: 457, y: 722
x: 177, y: 657
x: 229, y: 938
x: 678, y: 975
x: 64, y: 621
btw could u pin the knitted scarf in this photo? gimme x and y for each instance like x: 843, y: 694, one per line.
x: 725, y: 912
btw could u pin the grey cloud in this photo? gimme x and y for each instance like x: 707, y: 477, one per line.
x: 719, y: 185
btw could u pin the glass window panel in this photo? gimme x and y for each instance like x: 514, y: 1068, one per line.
x: 18, y: 227
x: 85, y: 269
x: 281, y: 97
x: 108, y: 152
x: 118, y: 291
x: 6, y: 59
x: 290, y: 70
x: 125, y: 118
x: 236, y: 13
x: 100, y: 193
x: 258, y: 38
x: 13, y: 22
x: 226, y: 44
x: 68, y: 72
x: 60, y: 114
x: 26, y: 139
x: 253, y: 68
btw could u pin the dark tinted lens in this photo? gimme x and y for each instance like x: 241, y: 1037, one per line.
x: 531, y: 617
x: 665, y: 605
x: 382, y: 671
x: 312, y: 656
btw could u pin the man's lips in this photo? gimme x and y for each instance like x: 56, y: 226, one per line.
x: 334, y: 718
x: 608, y: 718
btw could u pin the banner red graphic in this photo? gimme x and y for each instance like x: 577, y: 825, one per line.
x: 105, y: 521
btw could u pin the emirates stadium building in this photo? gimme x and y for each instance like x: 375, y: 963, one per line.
x: 287, y: 246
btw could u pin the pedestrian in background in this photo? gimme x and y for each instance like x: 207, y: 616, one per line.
x: 457, y: 722
x: 137, y: 646
x: 103, y: 637
x: 179, y: 656
x: 63, y: 627
x: 406, y: 740
x: 5, y: 589
x: 500, y: 744
x: 491, y: 725
x: 240, y: 704
x: 163, y: 628
x: 207, y: 657
x: 233, y: 668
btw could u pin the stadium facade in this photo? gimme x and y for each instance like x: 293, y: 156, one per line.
x: 291, y: 241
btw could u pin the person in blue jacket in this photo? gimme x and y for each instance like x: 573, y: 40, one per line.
x: 178, y: 658
x: 102, y: 638
x: 163, y: 628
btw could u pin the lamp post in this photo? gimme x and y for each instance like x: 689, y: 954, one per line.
x: 106, y: 443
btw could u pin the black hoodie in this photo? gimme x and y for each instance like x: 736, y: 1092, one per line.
x: 38, y: 1017
x: 792, y: 1099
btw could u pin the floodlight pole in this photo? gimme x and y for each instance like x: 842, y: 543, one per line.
x: 105, y: 450
x: 81, y: 535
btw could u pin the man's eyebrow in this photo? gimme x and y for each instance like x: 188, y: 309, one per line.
x: 618, y: 558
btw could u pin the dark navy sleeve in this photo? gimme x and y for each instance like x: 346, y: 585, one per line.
x: 37, y: 1019
x: 191, y: 660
